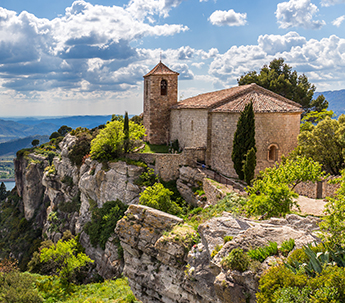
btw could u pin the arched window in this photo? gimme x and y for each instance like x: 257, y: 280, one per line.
x: 164, y: 87
x: 273, y: 152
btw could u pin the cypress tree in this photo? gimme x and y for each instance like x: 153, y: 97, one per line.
x: 126, y: 133
x: 244, y: 139
x: 249, y: 166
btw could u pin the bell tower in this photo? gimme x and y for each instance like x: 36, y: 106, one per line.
x: 160, y: 94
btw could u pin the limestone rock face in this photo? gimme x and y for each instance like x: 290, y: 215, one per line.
x: 69, y: 184
x: 29, y: 173
x: 160, y: 270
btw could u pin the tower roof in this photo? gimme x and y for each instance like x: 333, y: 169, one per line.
x: 161, y: 69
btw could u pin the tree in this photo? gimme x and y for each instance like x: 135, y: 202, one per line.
x: 54, y: 135
x: 65, y: 255
x: 249, y: 166
x: 3, y: 191
x: 333, y: 224
x: 324, y: 143
x: 279, y: 78
x: 64, y: 129
x: 159, y: 197
x: 272, y: 192
x: 244, y: 139
x: 35, y: 142
x: 109, y: 143
x: 126, y: 133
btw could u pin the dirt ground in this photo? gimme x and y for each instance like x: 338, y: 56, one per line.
x: 310, y: 206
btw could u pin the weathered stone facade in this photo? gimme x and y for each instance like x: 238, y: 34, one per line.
x: 278, y: 129
x: 160, y: 94
x: 188, y: 126
x: 209, y: 121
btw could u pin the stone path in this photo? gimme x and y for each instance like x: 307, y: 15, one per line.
x: 310, y: 206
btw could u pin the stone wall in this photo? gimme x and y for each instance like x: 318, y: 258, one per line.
x: 167, y: 165
x: 189, y: 127
x: 317, y: 190
x: 280, y: 129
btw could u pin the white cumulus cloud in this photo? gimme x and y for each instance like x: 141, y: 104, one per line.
x: 337, y: 22
x: 298, y: 13
x: 331, y: 2
x: 321, y: 60
x: 230, y: 18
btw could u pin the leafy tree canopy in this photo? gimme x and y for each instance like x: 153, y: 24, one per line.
x: 109, y: 143
x: 64, y: 129
x: 324, y: 143
x: 272, y: 192
x: 35, y: 142
x: 279, y: 78
x: 64, y: 253
x: 158, y: 197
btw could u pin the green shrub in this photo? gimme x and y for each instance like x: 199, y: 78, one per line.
x: 158, y: 197
x: 216, y: 250
x: 287, y: 246
x: 103, y: 222
x: 227, y: 239
x: 80, y: 149
x: 16, y: 287
x: 236, y: 260
x: 147, y: 178
x: 71, y: 207
x: 109, y: 143
x: 67, y: 180
x: 261, y: 253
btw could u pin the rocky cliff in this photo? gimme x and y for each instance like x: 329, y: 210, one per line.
x: 164, y: 259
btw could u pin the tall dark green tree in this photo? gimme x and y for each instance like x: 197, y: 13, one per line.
x: 279, y: 78
x: 3, y: 191
x: 249, y: 166
x: 126, y: 133
x: 244, y: 139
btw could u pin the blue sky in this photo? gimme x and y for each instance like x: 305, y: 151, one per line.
x: 88, y: 57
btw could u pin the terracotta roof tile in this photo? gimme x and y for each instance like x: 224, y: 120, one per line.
x: 161, y: 69
x: 236, y: 98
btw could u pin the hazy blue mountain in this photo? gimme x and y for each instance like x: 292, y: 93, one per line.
x: 21, y: 127
x: 11, y: 147
x: 10, y: 130
x: 336, y: 99
x: 71, y: 121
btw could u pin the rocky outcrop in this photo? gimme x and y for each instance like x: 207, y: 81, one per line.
x: 64, y: 194
x: 159, y: 268
x: 29, y: 172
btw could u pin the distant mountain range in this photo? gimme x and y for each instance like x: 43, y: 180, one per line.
x: 336, y: 100
x: 11, y: 147
x: 15, y: 128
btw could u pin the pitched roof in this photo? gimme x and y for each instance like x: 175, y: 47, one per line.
x: 235, y: 99
x: 161, y: 69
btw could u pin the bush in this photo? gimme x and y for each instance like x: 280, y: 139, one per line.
x: 103, y: 222
x: 158, y: 197
x: 109, y: 143
x: 80, y: 149
x: 147, y: 178
x: 16, y: 287
x: 236, y: 260
x: 287, y: 246
x: 261, y: 253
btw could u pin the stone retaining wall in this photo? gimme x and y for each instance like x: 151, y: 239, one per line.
x: 317, y: 190
x: 167, y: 165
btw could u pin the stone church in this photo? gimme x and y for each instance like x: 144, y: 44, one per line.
x: 207, y: 122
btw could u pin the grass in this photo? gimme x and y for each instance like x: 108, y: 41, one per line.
x: 152, y: 149
x: 110, y: 291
